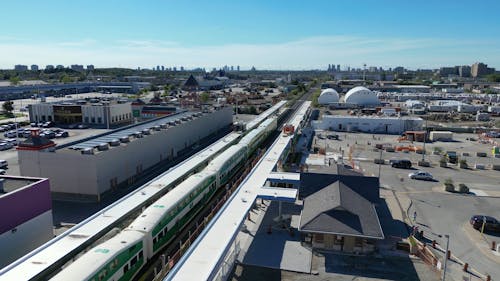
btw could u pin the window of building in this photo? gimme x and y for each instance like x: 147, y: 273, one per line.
x: 358, y: 242
x: 86, y: 119
x: 92, y: 120
x: 133, y: 261
x: 99, y: 120
x: 125, y: 268
x: 319, y: 238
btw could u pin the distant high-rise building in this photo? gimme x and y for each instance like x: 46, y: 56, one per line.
x: 182, y: 68
x: 162, y: 68
x: 232, y: 68
x: 90, y: 67
x: 399, y: 69
x: 34, y: 67
x: 479, y: 69
x: 338, y: 67
x: 20, y: 67
x: 77, y: 67
x: 175, y: 68
x: 49, y: 67
x: 238, y: 68
x: 446, y: 71
x: 464, y: 71
x: 157, y: 68
x: 372, y: 69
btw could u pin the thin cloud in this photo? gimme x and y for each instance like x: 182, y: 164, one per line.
x: 304, y: 53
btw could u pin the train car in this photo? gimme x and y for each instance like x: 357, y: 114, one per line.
x: 159, y: 223
x: 119, y: 258
x: 165, y: 217
x: 254, y: 138
x: 227, y: 163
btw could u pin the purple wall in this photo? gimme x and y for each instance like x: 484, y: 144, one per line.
x: 24, y: 204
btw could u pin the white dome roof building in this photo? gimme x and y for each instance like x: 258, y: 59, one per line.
x: 361, y: 96
x: 328, y: 96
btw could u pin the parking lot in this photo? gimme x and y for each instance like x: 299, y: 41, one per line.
x: 10, y: 153
x: 438, y: 212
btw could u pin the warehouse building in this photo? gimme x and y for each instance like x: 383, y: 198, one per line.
x: 90, y: 168
x: 369, y: 124
x: 26, y: 220
x: 93, y: 112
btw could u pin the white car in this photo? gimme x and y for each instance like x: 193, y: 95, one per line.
x: 421, y: 175
x: 3, y: 164
x: 2, y: 172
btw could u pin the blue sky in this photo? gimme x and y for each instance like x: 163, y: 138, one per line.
x: 267, y: 34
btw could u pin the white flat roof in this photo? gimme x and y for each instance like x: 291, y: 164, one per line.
x: 54, y: 250
x: 284, y: 176
x: 209, y: 249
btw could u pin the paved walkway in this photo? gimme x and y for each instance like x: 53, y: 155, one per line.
x: 278, y: 249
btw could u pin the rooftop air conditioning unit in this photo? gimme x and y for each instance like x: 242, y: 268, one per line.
x: 103, y: 147
x: 114, y: 142
x: 146, y: 131
x: 124, y: 139
x: 88, y: 150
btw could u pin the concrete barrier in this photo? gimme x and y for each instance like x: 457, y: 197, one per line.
x: 495, y: 167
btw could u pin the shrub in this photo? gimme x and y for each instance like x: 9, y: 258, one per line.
x: 462, y: 188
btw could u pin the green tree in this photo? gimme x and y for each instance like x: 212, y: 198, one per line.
x: 8, y: 107
x: 14, y: 80
x: 495, y: 77
x: 65, y: 79
x: 204, y: 97
x: 252, y: 110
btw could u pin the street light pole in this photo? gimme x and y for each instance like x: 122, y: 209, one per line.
x: 379, y: 163
x: 446, y: 255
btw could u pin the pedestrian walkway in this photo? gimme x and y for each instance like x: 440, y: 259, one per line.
x: 267, y: 243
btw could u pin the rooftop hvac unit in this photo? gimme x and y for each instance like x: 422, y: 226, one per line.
x: 178, y: 121
x: 114, y: 142
x: 124, y: 139
x: 103, y: 147
x: 157, y: 128
x: 138, y: 135
x: 185, y: 118
x: 146, y: 131
x: 88, y: 150
x: 164, y: 126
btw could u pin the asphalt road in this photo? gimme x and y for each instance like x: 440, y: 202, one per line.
x: 438, y: 212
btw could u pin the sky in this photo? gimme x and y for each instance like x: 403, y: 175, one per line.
x: 275, y: 34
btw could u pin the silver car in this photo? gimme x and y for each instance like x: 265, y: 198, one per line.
x: 421, y: 175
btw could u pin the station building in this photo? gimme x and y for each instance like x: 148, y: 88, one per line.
x: 26, y: 220
x: 92, y: 167
x: 94, y: 112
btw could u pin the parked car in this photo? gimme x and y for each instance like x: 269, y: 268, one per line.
x: 490, y: 223
x: 82, y: 126
x: 2, y: 172
x: 3, y: 164
x: 26, y: 133
x: 451, y: 157
x: 5, y: 146
x: 400, y: 163
x: 33, y: 125
x: 333, y: 137
x: 62, y: 134
x: 421, y: 175
x: 10, y: 134
x: 48, y: 124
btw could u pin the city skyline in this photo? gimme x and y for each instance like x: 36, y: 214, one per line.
x: 280, y: 35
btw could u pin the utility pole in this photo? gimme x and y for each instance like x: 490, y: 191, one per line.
x: 379, y: 163
x: 446, y: 255
x: 425, y: 140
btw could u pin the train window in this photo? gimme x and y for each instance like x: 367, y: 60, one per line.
x: 155, y: 240
x: 125, y: 268
x: 140, y: 255
x: 133, y: 261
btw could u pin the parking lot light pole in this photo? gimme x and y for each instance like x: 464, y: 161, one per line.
x: 446, y: 255
x: 379, y: 163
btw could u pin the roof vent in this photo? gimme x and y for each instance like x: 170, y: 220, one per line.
x: 124, y: 139
x: 88, y: 150
x: 114, y: 142
x: 103, y: 147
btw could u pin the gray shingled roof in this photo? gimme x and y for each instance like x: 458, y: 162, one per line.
x: 338, y: 209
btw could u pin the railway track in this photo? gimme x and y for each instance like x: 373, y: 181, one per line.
x: 159, y: 265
